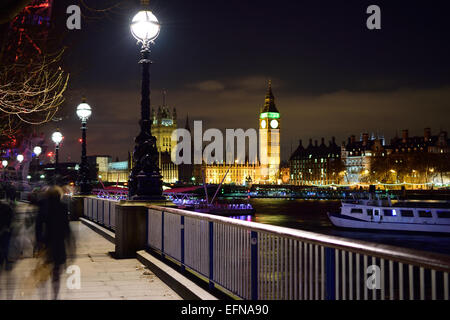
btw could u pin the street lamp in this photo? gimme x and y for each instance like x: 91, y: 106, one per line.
x: 20, y: 158
x: 37, y: 151
x: 145, y: 179
x: 4, y: 165
x: 56, y: 138
x: 84, y: 111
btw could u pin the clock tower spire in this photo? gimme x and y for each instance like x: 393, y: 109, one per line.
x: 269, y: 138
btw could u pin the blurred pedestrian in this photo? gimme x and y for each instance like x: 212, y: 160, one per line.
x: 11, y: 192
x: 53, y: 233
x: 6, y: 216
x: 6, y: 230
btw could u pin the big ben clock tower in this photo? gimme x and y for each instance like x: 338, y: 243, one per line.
x: 269, y: 139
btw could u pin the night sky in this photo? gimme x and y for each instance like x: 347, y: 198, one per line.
x: 331, y: 75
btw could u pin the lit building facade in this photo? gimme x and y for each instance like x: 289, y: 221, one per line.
x: 316, y: 164
x: 240, y: 174
x: 269, y: 140
x: 357, y: 157
x: 164, y: 122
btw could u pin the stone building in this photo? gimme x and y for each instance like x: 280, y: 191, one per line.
x: 315, y: 164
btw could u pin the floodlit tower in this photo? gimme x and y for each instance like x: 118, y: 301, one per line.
x: 269, y: 139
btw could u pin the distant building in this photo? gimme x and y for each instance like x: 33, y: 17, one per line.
x: 99, y: 166
x: 269, y: 139
x: 357, y: 155
x: 164, y: 122
x: 264, y: 171
x: 427, y: 143
x: 316, y: 164
x: 411, y: 161
x: 186, y: 170
x: 285, y: 172
x: 238, y: 173
x: 117, y: 172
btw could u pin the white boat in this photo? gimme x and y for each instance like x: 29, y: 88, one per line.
x: 402, y: 216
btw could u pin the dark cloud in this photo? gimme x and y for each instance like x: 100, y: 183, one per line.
x: 331, y: 76
x: 114, y: 124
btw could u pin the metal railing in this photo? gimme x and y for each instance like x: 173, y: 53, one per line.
x: 256, y: 261
x: 102, y: 211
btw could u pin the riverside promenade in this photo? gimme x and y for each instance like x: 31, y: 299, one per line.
x: 102, y: 277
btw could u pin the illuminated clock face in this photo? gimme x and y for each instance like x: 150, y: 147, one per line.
x: 274, y: 124
x: 263, y: 124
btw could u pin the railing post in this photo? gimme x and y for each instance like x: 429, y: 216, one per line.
x: 182, y: 244
x: 102, y: 220
x: 330, y: 281
x: 211, y: 255
x: 254, y: 264
x: 147, y: 245
x: 162, y: 234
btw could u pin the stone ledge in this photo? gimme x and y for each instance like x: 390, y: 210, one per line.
x: 187, y: 289
x: 107, y: 234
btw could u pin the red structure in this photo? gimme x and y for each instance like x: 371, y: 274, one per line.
x: 29, y: 30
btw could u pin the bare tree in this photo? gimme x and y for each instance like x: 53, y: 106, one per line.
x: 10, y: 8
x: 31, y: 94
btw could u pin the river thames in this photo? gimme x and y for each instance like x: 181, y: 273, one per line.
x: 311, y: 215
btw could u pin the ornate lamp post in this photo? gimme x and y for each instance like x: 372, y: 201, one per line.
x: 56, y: 138
x: 37, y: 151
x: 20, y: 158
x: 5, y: 166
x: 145, y: 179
x: 84, y: 111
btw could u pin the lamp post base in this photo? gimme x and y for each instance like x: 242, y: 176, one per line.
x: 85, y: 188
x: 149, y: 187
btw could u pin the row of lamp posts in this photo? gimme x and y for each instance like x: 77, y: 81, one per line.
x: 145, y: 180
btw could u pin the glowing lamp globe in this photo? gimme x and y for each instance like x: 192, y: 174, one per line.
x: 57, y: 137
x: 4, y: 163
x: 145, y: 27
x: 37, y: 150
x: 20, y: 158
x: 84, y: 111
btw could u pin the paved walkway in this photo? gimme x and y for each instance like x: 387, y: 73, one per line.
x: 102, y: 277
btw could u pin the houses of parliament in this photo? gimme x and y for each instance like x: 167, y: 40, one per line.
x: 164, y: 121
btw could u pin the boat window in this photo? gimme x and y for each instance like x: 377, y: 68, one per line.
x: 425, y: 213
x: 356, y: 211
x: 370, y: 212
x: 407, y: 213
x: 389, y: 212
x: 443, y: 214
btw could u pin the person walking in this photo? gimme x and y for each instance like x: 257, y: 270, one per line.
x: 53, y: 234
x: 6, y: 219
